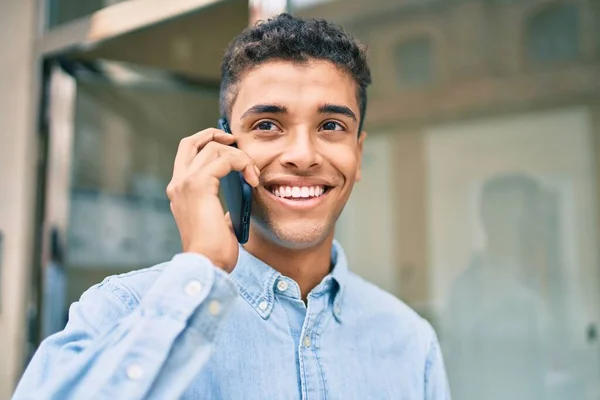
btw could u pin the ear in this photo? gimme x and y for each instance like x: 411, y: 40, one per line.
x: 359, y: 154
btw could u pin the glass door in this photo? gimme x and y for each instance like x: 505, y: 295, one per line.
x: 122, y: 87
x: 114, y: 133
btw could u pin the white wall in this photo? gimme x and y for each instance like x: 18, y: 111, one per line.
x: 18, y: 155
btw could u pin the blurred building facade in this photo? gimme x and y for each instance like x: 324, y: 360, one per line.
x: 479, y: 200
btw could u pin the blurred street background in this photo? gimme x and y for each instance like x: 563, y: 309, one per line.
x: 479, y: 205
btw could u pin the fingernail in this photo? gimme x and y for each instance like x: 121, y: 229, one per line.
x: 257, y: 170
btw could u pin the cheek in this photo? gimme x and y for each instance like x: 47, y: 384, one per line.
x: 261, y: 153
x: 344, y: 161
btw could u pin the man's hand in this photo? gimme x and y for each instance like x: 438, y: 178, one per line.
x: 201, y: 160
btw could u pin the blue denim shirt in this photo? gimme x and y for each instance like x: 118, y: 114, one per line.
x: 185, y: 329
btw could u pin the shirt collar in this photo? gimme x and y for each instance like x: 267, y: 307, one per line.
x: 256, y: 281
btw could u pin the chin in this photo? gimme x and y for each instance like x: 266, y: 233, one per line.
x: 296, y: 235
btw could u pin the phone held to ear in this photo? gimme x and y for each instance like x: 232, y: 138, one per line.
x: 238, y: 196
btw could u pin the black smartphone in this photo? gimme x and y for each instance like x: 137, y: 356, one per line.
x: 238, y: 196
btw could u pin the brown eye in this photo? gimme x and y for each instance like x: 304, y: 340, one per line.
x: 332, y: 126
x: 266, y: 126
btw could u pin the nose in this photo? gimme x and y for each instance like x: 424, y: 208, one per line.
x: 301, y: 152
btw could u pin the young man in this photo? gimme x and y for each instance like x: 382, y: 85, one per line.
x: 281, y: 317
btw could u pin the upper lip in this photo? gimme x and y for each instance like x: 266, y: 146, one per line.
x: 297, y: 181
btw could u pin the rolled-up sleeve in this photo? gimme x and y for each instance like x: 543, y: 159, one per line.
x: 116, y: 346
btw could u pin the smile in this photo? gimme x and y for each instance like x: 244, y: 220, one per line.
x: 299, y: 198
x: 298, y: 192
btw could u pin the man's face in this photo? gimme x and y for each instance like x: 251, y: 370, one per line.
x: 299, y: 123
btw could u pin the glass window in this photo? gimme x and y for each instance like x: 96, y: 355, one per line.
x: 478, y: 200
x: 553, y: 33
x: 413, y: 60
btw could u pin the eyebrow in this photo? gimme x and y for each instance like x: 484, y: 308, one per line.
x: 278, y: 109
x: 336, y: 109
x: 264, y: 109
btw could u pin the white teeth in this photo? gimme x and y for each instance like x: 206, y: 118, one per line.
x: 298, y: 192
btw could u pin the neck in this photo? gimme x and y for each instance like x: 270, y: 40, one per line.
x: 307, y: 267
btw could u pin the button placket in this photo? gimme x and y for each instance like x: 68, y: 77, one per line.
x: 311, y: 370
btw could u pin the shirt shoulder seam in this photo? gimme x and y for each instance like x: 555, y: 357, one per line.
x: 120, y: 291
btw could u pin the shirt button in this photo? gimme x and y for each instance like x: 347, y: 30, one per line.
x: 337, y: 310
x: 135, y: 372
x: 282, y: 286
x: 263, y: 305
x: 306, y: 341
x: 193, y: 288
x: 214, y: 308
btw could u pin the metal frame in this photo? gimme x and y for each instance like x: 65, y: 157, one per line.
x: 133, y: 76
x: 57, y: 134
x: 110, y: 22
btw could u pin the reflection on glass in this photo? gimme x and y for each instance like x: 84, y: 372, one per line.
x: 478, y: 202
x: 55, y: 289
x: 500, y: 326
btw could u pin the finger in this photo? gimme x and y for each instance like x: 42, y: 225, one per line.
x: 233, y: 162
x: 228, y: 221
x: 191, y: 145
x: 211, y: 152
x: 214, y: 150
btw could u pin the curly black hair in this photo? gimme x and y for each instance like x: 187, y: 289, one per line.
x: 289, y: 38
